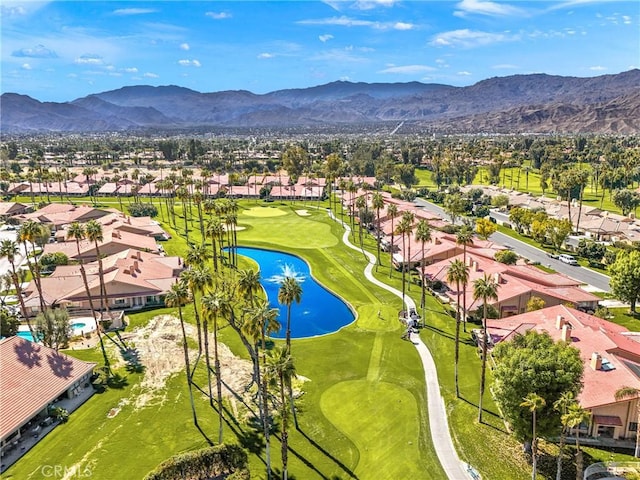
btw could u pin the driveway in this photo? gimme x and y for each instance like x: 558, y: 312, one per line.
x: 584, y: 275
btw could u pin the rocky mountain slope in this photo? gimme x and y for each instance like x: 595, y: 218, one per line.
x: 520, y: 103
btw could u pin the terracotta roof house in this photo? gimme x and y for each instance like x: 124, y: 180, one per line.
x: 57, y: 215
x: 132, y: 278
x: 33, y: 377
x: 114, y: 241
x: 146, y: 226
x: 516, y: 285
x: 9, y: 209
x: 611, y: 357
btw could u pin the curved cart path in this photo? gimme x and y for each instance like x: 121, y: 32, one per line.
x: 438, y: 423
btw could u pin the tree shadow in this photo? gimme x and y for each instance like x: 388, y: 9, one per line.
x: 60, y: 365
x: 28, y: 353
x: 440, y: 332
x: 117, y: 381
x: 319, y: 447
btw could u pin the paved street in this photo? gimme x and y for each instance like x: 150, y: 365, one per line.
x: 585, y: 275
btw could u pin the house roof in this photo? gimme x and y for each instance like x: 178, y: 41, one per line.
x: 32, y: 376
x: 116, y: 239
x: 589, y: 335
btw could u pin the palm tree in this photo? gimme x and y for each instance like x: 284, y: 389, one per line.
x: 377, y: 202
x: 197, y: 278
x: 214, y: 305
x: 534, y: 403
x: 361, y: 203
x: 249, y: 284
x: 10, y: 250
x: 290, y: 291
x: 632, y: 393
x: 282, y: 370
x: 77, y: 232
x: 423, y: 235
x: 30, y: 231
x: 262, y: 321
x: 457, y: 273
x: 177, y: 296
x: 484, y: 288
x: 575, y: 416
x: 215, y: 231
x: 562, y: 405
x: 93, y: 232
x: 392, y: 211
x: 464, y: 237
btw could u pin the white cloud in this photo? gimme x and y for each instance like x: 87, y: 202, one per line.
x: 481, y: 7
x: 89, y: 59
x: 403, y: 26
x: 504, y: 66
x: 408, y: 69
x: 371, y: 4
x: 189, y: 63
x: 324, y: 38
x: 468, y: 38
x: 464, y: 73
x: 131, y: 70
x: 184, y: 46
x: 133, y: 11
x: 218, y: 15
x: 150, y: 75
x: 39, y: 51
x: 597, y: 68
x: 344, y: 55
x: 266, y: 55
x: 26, y: 66
x: 626, y: 19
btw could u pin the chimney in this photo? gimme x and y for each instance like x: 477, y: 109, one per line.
x: 135, y: 265
x: 496, y: 277
x: 566, y: 332
x: 559, y: 322
x: 132, y: 269
x: 437, y: 241
x: 139, y: 255
x: 475, y: 266
x: 596, y: 361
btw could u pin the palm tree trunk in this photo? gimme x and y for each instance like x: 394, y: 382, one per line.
x: 205, y: 325
x: 216, y: 358
x: 265, y: 410
x: 484, y: 359
x: 563, y: 437
x: 457, y: 347
x: 284, y: 433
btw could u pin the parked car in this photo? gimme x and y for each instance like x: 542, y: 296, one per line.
x: 568, y: 259
x: 552, y: 255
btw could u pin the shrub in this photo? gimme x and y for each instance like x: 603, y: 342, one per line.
x: 507, y: 257
x: 143, y: 210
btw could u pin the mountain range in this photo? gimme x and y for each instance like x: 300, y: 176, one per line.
x: 535, y: 103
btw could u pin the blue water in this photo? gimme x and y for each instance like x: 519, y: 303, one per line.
x: 26, y: 336
x: 76, y: 327
x: 319, y: 310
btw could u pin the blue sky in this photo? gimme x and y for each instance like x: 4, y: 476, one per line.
x: 63, y: 50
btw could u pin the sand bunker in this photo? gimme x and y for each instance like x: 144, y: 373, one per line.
x: 303, y: 213
x: 264, y: 212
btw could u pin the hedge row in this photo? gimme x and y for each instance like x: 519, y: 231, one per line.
x: 219, y: 461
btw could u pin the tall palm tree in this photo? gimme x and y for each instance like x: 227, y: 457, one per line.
x: 632, y: 393
x: 215, y: 231
x: 77, y: 232
x: 484, y: 288
x: 197, y: 278
x: 30, y: 231
x: 409, y: 217
x: 392, y: 211
x: 214, y: 306
x: 361, y: 203
x: 10, y: 250
x: 178, y: 296
x: 575, y: 416
x: 282, y: 370
x: 534, y: 403
x: 94, y: 234
x: 377, y: 203
x: 562, y: 405
x: 249, y: 284
x: 423, y: 235
x: 261, y: 323
x: 457, y: 273
x: 290, y: 291
x: 464, y: 237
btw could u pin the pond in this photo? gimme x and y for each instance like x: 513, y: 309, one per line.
x: 319, y: 311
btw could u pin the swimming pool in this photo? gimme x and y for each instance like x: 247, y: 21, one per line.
x: 78, y: 328
x: 319, y: 311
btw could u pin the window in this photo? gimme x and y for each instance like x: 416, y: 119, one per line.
x: 633, y: 426
x: 120, y: 301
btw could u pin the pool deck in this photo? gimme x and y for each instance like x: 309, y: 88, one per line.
x: 438, y: 421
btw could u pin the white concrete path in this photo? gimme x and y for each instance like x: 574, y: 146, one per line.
x: 438, y: 422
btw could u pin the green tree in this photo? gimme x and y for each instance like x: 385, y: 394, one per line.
x: 377, y: 203
x: 454, y: 206
x: 423, y: 235
x: 30, y: 232
x: 534, y: 363
x: 575, y: 416
x: 562, y: 406
x: 392, y: 212
x: 625, y: 277
x: 457, y: 273
x: 626, y: 200
x: 557, y: 231
x: 484, y: 288
x: 464, y: 237
x: 592, y: 251
x: 293, y: 160
x: 282, y: 370
x: 508, y: 257
x: 53, y: 328
x: 11, y: 251
x: 9, y: 324
x: 535, y: 303
x: 534, y: 403
x: 290, y: 291
x: 93, y: 232
x: 485, y: 228
x: 630, y: 393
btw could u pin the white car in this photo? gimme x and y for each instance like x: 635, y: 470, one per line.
x: 568, y: 259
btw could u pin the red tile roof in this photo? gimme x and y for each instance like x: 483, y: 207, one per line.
x: 32, y: 376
